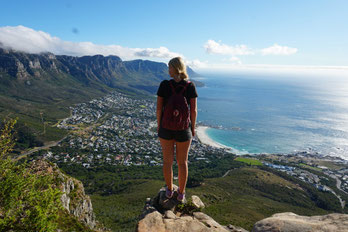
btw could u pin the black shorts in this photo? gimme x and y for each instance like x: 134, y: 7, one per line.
x: 179, y: 136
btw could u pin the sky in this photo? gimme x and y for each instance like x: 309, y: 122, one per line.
x: 209, y: 35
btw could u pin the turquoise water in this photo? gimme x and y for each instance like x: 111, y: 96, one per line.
x: 276, y: 113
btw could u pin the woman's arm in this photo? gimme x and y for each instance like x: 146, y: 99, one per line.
x: 193, y: 114
x: 159, y: 110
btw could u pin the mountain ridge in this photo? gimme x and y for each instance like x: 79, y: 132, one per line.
x: 108, y: 70
x: 40, y: 88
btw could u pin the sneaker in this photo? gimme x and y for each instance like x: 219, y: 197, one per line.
x: 169, y: 193
x: 181, y: 197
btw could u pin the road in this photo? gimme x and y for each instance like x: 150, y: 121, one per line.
x: 50, y: 144
x: 338, y: 185
x: 227, y: 173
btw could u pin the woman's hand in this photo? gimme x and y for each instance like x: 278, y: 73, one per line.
x: 193, y: 131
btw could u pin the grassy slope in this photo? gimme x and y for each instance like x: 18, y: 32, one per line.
x: 120, y: 212
x: 51, y: 97
x: 248, y: 161
x: 229, y: 200
x: 234, y: 200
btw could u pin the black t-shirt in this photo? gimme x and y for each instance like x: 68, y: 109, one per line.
x: 165, y: 90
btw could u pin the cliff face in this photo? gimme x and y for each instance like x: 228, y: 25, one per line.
x: 24, y: 66
x: 76, y: 202
x: 108, y: 70
x: 74, y: 199
x: 88, y: 70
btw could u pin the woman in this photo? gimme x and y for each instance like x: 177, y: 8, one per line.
x: 179, y: 138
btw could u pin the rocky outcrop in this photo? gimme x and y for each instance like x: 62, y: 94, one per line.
x: 168, y: 215
x: 73, y: 199
x: 76, y: 201
x: 290, y: 222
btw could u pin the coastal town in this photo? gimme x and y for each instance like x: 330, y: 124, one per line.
x: 315, y: 169
x: 122, y: 130
x: 118, y: 130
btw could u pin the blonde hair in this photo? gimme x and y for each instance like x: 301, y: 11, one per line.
x: 178, y: 64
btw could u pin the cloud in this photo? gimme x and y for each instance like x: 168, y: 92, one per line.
x: 235, y: 60
x: 196, y: 63
x: 288, y: 70
x: 278, y: 50
x: 161, y: 52
x: 25, y: 39
x: 213, y: 47
x: 226, y: 64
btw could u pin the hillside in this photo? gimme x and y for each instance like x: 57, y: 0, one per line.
x: 40, y: 88
x: 244, y: 196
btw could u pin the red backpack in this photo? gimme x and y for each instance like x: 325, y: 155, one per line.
x: 176, y: 114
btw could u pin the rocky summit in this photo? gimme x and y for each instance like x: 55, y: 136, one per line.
x: 162, y: 214
x: 290, y: 222
x: 168, y: 215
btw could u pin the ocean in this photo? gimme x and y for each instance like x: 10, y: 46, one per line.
x: 255, y: 112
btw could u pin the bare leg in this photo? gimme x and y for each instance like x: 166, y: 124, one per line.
x: 182, y: 149
x: 168, y: 157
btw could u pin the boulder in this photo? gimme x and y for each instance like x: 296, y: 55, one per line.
x: 168, y: 215
x: 196, y: 202
x: 155, y: 221
x: 290, y: 222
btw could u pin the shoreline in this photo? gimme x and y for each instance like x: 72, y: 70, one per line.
x: 201, y: 132
x: 205, y: 139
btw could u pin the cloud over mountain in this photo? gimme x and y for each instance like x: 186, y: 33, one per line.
x: 25, y: 39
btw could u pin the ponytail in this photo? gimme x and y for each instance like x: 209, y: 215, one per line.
x: 178, y: 64
x: 183, y: 76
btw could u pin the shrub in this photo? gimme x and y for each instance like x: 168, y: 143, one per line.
x: 28, y: 202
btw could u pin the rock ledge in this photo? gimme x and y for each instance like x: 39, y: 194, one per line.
x: 168, y: 215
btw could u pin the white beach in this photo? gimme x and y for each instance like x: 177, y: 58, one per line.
x: 204, y: 138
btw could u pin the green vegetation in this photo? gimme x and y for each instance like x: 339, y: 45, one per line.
x: 331, y: 165
x: 249, y: 161
x: 41, y: 104
x: 29, y: 201
x: 108, y: 179
x: 324, y: 200
x: 247, y: 194
x: 309, y: 167
x: 187, y: 208
x: 120, y: 212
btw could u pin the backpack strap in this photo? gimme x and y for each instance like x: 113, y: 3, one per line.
x: 184, y: 89
x: 172, y: 87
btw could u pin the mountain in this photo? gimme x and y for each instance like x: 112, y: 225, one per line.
x: 39, y: 88
x: 87, y: 70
